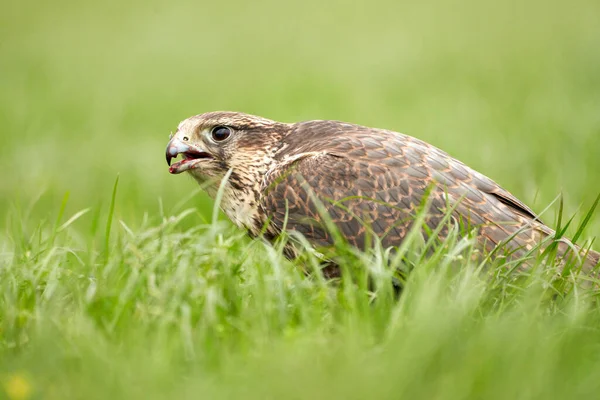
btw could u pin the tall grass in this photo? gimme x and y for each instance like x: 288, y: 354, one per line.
x: 168, y: 311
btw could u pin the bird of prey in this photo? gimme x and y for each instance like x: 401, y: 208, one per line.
x: 370, y: 182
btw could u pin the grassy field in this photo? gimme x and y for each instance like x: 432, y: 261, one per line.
x: 147, y: 292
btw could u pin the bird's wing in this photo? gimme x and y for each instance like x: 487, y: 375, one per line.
x: 301, y: 195
x: 374, y: 184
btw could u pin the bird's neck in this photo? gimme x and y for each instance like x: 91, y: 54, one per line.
x: 240, y: 206
x: 241, y: 193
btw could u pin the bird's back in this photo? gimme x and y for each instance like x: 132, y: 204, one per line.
x: 374, y: 181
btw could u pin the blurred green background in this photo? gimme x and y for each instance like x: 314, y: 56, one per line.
x: 90, y: 90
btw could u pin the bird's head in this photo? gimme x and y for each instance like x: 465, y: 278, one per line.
x: 212, y: 143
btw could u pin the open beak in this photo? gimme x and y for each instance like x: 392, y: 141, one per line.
x: 192, y: 156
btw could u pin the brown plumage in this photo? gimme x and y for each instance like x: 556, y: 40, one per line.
x: 370, y: 181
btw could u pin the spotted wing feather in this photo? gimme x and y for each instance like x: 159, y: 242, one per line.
x: 371, y: 179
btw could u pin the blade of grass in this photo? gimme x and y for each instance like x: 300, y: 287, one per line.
x: 111, y: 211
x: 586, y: 220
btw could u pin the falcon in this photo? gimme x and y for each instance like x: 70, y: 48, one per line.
x: 367, y: 182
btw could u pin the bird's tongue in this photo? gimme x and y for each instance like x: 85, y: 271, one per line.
x: 182, y: 166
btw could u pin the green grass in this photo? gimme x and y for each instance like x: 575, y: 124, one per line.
x: 141, y: 293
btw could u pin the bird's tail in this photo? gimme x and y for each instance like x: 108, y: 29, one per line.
x: 586, y: 262
x: 592, y: 261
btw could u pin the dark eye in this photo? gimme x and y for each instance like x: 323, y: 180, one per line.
x: 220, y: 133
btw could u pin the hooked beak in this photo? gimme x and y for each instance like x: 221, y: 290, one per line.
x: 191, y: 155
x: 176, y: 147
